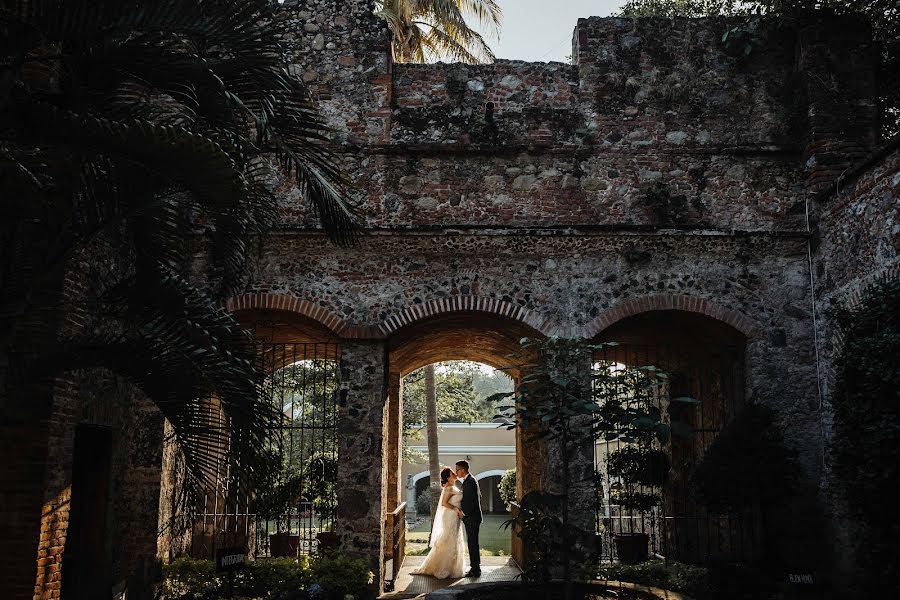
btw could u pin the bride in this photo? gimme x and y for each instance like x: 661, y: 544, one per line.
x: 448, y: 548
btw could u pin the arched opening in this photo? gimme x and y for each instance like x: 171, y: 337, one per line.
x: 485, y: 342
x: 704, y: 362
x: 300, y: 360
x: 467, y: 429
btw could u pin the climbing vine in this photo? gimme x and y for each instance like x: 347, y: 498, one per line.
x: 866, y: 443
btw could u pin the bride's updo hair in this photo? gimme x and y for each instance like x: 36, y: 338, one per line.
x: 445, y: 475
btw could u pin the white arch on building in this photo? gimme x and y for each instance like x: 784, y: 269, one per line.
x: 491, y: 473
x: 411, y: 489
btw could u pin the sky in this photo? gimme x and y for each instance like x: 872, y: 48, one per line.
x: 541, y: 30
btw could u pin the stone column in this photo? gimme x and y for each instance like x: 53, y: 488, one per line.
x: 361, y: 433
x: 574, y: 363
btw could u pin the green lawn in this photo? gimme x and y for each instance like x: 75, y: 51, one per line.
x: 494, y: 540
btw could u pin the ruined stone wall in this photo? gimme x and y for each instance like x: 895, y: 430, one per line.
x: 646, y: 101
x: 663, y: 169
x: 858, y: 245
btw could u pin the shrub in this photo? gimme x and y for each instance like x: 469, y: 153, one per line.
x: 747, y: 464
x: 272, y: 577
x: 678, y: 577
x: 340, y: 575
x: 190, y: 576
x: 866, y: 439
x: 507, y: 488
x: 423, y: 503
x: 269, y: 578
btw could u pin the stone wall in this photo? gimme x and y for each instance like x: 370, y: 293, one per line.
x: 858, y: 243
x: 664, y: 169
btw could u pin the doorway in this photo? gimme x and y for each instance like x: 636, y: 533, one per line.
x: 87, y: 559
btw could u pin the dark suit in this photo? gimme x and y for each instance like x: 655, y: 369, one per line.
x: 471, y: 506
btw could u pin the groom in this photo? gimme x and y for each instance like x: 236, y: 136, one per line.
x: 471, y: 510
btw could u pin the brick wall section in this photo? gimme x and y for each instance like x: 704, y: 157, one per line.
x: 44, y: 467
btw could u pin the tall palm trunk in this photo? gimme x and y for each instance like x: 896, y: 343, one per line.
x: 434, y: 460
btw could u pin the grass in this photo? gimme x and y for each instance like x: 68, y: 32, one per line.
x: 493, y: 539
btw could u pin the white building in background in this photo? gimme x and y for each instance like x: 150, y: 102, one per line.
x: 490, y: 449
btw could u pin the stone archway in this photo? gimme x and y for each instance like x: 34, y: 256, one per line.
x: 704, y: 359
x: 481, y: 336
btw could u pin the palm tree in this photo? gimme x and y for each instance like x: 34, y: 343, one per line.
x: 127, y: 128
x: 428, y: 30
x: 434, y: 459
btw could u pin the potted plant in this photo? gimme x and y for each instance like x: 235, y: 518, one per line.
x: 276, y: 502
x: 641, y: 469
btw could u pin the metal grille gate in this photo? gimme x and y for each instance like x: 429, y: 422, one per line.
x: 661, y: 505
x: 302, y: 381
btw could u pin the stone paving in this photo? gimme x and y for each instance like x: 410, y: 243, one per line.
x: 493, y: 568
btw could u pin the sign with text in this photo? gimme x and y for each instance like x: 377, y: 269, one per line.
x: 230, y: 559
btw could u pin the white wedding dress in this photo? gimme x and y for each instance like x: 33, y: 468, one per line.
x: 447, y: 556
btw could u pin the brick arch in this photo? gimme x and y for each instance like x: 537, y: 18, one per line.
x: 454, y: 304
x: 633, y: 306
x: 299, y: 306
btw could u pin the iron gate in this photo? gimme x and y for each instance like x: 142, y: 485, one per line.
x: 661, y: 503
x: 302, y: 381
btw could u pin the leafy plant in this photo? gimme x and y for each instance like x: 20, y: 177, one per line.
x: 425, y: 30
x: 639, y: 465
x: 671, y: 575
x: 566, y: 397
x: 341, y: 574
x: 423, y: 503
x: 127, y: 129
x: 262, y: 578
x: 866, y: 442
x: 507, y: 488
x: 279, y: 496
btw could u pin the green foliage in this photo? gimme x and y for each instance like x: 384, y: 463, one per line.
x: 461, y: 388
x: 679, y: 8
x: 340, y: 575
x: 268, y: 578
x: 640, y: 465
x: 866, y: 443
x: 423, y: 502
x: 428, y: 30
x: 188, y: 575
x: 678, y: 577
x: 566, y: 397
x: 121, y: 121
x: 273, y: 577
x: 539, y: 521
x: 507, y: 488
x: 631, y: 499
x: 746, y: 465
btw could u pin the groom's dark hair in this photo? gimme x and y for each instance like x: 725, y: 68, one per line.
x: 464, y: 464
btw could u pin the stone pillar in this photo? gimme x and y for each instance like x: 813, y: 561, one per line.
x: 361, y: 433
x: 575, y: 366
x: 394, y: 441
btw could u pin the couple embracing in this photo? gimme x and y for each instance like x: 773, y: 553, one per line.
x: 459, y: 507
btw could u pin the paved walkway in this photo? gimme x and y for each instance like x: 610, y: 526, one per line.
x: 493, y: 568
